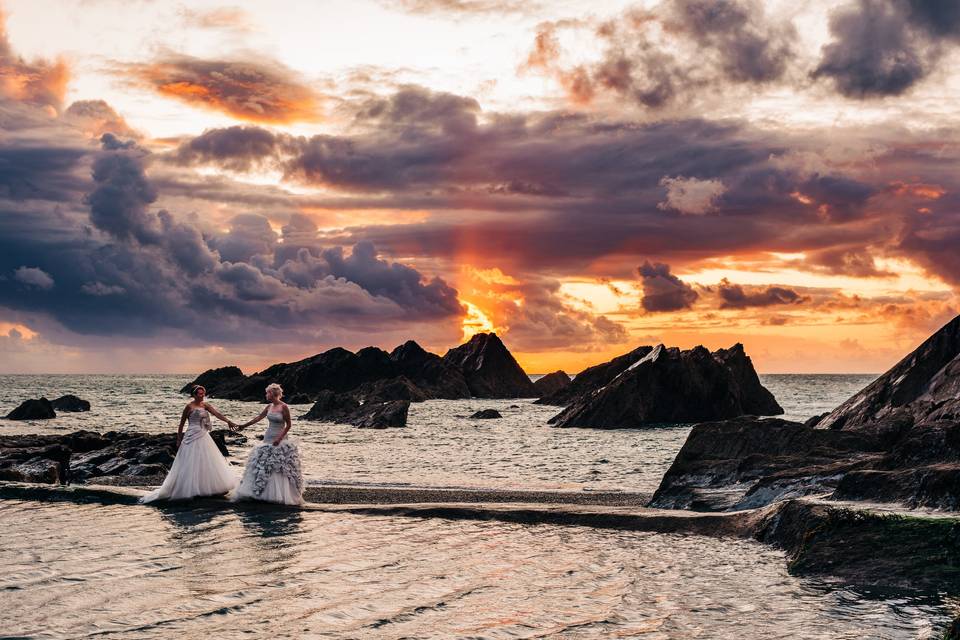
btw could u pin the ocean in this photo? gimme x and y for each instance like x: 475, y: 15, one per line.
x: 120, y: 571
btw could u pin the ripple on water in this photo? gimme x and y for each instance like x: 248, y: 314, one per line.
x: 121, y: 571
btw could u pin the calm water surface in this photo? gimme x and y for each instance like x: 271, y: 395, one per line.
x: 439, y: 447
x: 80, y: 571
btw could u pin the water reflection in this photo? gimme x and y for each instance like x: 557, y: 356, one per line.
x: 268, y: 520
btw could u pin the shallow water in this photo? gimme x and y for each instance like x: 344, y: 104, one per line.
x: 76, y: 570
x: 439, y: 447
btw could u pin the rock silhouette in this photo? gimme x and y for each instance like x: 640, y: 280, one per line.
x: 489, y: 368
x: 593, y: 378
x: 668, y: 385
x: 70, y: 403
x: 552, y: 383
x: 34, y: 409
x: 486, y: 414
x: 343, y: 408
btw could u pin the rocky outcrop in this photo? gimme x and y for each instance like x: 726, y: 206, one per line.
x: 70, y: 403
x: 486, y: 414
x: 489, y: 368
x: 408, y: 372
x: 923, y: 387
x: 343, y: 408
x: 85, y: 455
x: 36, y: 409
x: 895, y: 441
x: 593, y: 378
x: 552, y: 383
x: 672, y: 386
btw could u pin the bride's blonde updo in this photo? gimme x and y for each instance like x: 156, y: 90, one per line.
x: 276, y: 389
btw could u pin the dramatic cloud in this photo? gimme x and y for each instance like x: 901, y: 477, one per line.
x: 232, y: 18
x: 663, y: 291
x: 677, y: 49
x: 884, y: 47
x: 235, y: 148
x: 96, y: 118
x: 38, y: 82
x: 33, y: 277
x: 691, y: 196
x: 735, y: 296
x: 254, y: 91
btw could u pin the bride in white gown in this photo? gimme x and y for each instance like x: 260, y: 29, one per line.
x: 273, y: 472
x: 198, y: 469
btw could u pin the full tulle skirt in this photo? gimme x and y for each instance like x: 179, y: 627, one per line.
x: 273, y: 474
x: 198, y: 470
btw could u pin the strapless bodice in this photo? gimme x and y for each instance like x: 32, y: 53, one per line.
x: 199, y: 419
x: 274, y: 426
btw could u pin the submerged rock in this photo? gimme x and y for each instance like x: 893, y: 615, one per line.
x: 672, y: 386
x: 486, y: 414
x: 36, y: 409
x: 70, y: 403
x: 489, y: 368
x: 343, y: 408
x: 552, y: 383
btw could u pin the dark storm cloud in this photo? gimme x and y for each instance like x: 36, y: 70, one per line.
x: 238, y: 148
x: 884, y: 47
x: 735, y: 296
x: 119, y: 205
x: 257, y: 91
x: 677, y: 49
x: 663, y: 291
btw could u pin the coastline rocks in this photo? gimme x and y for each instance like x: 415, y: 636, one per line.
x: 70, y: 403
x: 34, y: 409
x: 486, y: 414
x: 399, y: 388
x: 221, y: 379
x: 490, y: 369
x: 49, y: 463
x: 436, y: 377
x: 593, y: 378
x: 552, y: 383
x: 923, y: 387
x: 668, y: 385
x: 342, y: 408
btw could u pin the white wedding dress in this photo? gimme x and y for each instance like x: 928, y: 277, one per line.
x: 199, y: 468
x: 273, y: 473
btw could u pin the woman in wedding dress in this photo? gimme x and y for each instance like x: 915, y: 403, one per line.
x: 273, y: 471
x: 199, y: 469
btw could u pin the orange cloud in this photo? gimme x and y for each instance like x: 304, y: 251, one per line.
x: 917, y: 189
x: 39, y: 82
x: 249, y: 91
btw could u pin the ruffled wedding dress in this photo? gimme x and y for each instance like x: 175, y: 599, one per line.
x: 273, y: 473
x: 199, y: 468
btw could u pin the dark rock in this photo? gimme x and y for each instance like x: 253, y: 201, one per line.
x: 70, y: 403
x: 486, y: 414
x: 139, y: 470
x: 490, y: 369
x: 218, y: 382
x: 219, y: 438
x: 925, y: 386
x: 552, y: 383
x: 155, y: 455
x: 48, y: 463
x: 299, y: 398
x: 331, y: 406
x: 112, y: 467
x: 38, y: 409
x: 594, y: 378
x: 399, y: 388
x: 674, y: 386
x: 750, y: 462
x: 436, y: 377
x: 380, y: 415
x: 813, y: 420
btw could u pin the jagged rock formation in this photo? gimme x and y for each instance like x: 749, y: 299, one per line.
x: 407, y: 373
x: 34, y: 409
x: 668, y: 385
x: 86, y: 455
x: 552, y: 383
x: 70, y: 403
x: 593, y: 378
x: 343, y: 408
x: 898, y: 440
x: 489, y: 368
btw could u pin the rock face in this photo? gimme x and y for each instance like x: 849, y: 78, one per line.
x: 593, y: 378
x: 490, y: 369
x: 552, y: 383
x: 486, y: 414
x: 86, y: 455
x: 898, y: 440
x: 924, y: 386
x: 343, y: 408
x: 38, y: 409
x: 672, y: 386
x: 408, y: 372
x: 70, y: 403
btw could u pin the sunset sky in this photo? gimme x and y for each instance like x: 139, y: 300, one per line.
x: 188, y: 185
